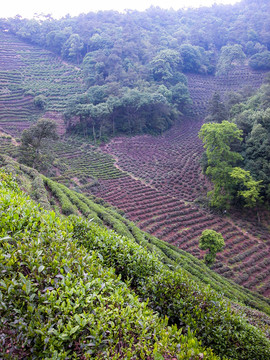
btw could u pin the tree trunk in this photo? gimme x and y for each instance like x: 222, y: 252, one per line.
x: 94, y: 133
x: 113, y: 126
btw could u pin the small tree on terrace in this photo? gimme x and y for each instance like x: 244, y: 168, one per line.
x: 212, y: 241
x: 33, y: 140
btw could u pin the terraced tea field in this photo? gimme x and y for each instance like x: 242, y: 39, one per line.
x: 27, y: 71
x: 82, y: 165
x: 202, y: 87
x: 164, y: 180
x: 56, y: 196
x: 169, y: 163
x: 154, y: 180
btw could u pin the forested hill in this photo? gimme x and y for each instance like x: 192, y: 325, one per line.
x: 134, y: 64
x: 145, y: 287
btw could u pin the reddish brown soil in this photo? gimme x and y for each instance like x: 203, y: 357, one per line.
x: 165, y: 178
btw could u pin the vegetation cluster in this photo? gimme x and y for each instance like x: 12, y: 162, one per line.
x: 62, y: 280
x: 237, y: 149
x: 134, y: 63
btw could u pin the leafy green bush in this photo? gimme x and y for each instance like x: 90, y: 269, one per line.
x: 60, y: 301
x: 40, y: 102
x: 176, y: 295
x: 66, y: 205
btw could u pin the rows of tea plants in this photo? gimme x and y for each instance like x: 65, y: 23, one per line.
x: 52, y: 195
x: 70, y: 202
x: 181, y: 224
x: 202, y: 87
x: 47, y: 75
x: 170, y: 163
x: 82, y: 162
x: 7, y: 145
x: 27, y: 71
x: 15, y: 105
x: 41, y: 256
x: 61, y: 301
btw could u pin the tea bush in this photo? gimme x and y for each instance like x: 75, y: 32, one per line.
x: 176, y: 295
x: 60, y: 301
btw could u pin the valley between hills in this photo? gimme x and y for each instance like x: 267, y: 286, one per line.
x: 100, y: 223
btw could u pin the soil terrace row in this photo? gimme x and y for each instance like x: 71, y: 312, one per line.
x: 170, y: 162
x: 165, y: 178
x: 181, y: 224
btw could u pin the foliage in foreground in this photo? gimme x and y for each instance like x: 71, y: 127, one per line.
x: 59, y: 198
x: 173, y: 293
x: 60, y: 301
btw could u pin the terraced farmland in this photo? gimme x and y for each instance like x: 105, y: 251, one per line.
x: 27, y: 71
x: 52, y: 195
x: 165, y: 178
x: 169, y: 163
x: 156, y: 179
x: 181, y: 224
x: 82, y: 165
x: 202, y: 87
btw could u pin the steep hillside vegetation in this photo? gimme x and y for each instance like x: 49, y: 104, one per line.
x: 134, y: 63
x: 61, y: 309
x: 32, y: 81
x: 52, y: 195
x: 128, y: 78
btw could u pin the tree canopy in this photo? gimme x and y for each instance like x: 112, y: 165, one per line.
x: 144, y: 50
x: 218, y: 140
x: 213, y: 242
x: 33, y: 141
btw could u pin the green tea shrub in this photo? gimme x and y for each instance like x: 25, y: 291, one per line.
x: 176, y: 295
x: 60, y: 301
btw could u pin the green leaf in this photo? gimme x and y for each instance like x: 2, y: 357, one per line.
x: 28, y: 287
x: 41, y: 268
x: 74, y: 329
x: 158, y: 356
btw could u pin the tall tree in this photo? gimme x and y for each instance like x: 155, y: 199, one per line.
x: 218, y: 139
x: 217, y: 110
x: 72, y: 48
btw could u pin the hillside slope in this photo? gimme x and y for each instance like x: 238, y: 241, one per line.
x: 60, y: 306
x: 155, y: 180
x: 27, y: 71
x: 53, y: 195
x: 159, y: 204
